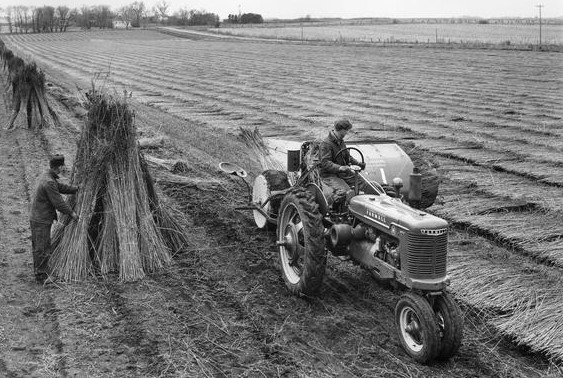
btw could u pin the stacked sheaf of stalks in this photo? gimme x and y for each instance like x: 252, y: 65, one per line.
x: 28, y: 89
x: 121, y: 227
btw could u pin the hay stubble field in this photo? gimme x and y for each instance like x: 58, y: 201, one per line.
x: 491, y: 120
x: 471, y: 34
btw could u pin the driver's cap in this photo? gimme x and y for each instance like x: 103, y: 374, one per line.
x: 342, y: 124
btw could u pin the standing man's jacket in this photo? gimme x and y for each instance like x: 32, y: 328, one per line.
x: 48, y: 199
x: 328, y: 150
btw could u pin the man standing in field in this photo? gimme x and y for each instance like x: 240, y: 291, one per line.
x: 46, y: 202
x: 335, y: 170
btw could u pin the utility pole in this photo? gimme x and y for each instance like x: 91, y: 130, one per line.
x: 540, y: 6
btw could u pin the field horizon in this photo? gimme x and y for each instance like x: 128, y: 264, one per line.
x: 505, y: 33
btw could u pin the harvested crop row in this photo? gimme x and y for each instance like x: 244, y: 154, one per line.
x: 502, y: 185
x: 192, y: 62
x: 495, y: 160
x: 521, y: 298
x: 517, y: 221
x: 192, y: 59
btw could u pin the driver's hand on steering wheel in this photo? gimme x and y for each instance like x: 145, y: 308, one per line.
x: 345, y: 169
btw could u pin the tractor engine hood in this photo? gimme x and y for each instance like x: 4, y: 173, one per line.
x: 385, y: 212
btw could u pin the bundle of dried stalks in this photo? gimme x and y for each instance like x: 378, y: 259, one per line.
x: 253, y: 140
x: 120, y: 226
x: 28, y: 89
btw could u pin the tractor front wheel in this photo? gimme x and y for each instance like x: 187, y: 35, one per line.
x: 417, y: 328
x: 301, y: 243
x: 450, y: 323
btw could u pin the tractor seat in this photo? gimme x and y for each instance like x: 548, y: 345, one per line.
x: 310, y: 152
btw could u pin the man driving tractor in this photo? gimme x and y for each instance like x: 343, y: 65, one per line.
x: 399, y: 244
x: 335, y: 171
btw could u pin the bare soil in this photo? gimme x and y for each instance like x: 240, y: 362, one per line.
x: 221, y: 309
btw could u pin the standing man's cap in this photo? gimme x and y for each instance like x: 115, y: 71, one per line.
x: 57, y: 161
x: 342, y: 124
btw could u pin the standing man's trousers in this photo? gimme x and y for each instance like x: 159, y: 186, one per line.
x: 41, y: 246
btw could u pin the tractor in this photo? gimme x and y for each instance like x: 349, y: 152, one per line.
x: 379, y: 225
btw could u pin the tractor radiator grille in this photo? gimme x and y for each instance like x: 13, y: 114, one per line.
x: 426, y: 255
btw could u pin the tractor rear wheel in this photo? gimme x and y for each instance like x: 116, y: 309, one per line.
x: 266, y: 183
x: 301, y: 243
x: 450, y: 323
x: 417, y: 328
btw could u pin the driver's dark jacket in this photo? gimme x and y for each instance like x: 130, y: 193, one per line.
x: 48, y: 198
x: 328, y: 150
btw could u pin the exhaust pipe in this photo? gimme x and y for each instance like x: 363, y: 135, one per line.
x: 415, y: 190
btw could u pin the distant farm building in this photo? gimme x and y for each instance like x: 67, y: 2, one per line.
x: 120, y: 24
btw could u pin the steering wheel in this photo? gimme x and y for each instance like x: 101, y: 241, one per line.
x: 378, y: 188
x: 349, y: 149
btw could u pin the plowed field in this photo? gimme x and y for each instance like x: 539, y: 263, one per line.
x: 491, y: 119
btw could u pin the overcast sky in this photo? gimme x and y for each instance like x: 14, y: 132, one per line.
x: 340, y: 8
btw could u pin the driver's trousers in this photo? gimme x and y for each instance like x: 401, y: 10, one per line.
x: 335, y: 188
x: 340, y: 187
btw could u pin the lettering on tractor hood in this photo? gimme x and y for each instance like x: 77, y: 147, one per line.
x: 386, y: 211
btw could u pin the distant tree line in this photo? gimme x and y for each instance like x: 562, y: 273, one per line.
x: 48, y: 19
x: 246, y: 18
x: 44, y: 19
x: 192, y: 17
